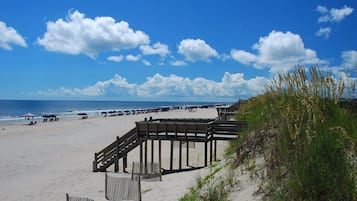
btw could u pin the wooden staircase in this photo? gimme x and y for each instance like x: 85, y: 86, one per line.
x: 115, y: 151
x: 194, y: 130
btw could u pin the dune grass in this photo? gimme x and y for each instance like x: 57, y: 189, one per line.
x: 312, y: 151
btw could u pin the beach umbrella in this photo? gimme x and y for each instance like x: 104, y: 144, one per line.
x: 28, y: 115
x: 83, y: 115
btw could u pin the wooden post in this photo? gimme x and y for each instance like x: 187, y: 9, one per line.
x: 171, y: 154
x: 205, y: 153
x: 132, y: 171
x: 215, y: 150
x: 116, y: 164
x: 141, y: 158
x: 125, y: 163
x: 187, y: 152
x: 106, y: 186
x: 139, y: 188
x: 95, y: 168
x: 146, y: 157
x: 160, y: 159
x: 152, y: 151
x: 210, y: 151
x: 180, y: 156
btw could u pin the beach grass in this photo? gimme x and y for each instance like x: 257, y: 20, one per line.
x: 310, y: 140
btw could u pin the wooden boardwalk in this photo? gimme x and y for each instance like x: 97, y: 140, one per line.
x: 206, y: 131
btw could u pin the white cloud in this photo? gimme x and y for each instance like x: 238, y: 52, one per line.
x: 324, y: 31
x: 279, y: 51
x: 118, y: 58
x: 116, y: 86
x: 196, y: 50
x: 349, y: 59
x: 131, y: 57
x: 324, y: 18
x: 146, y: 63
x: 157, y: 48
x: 178, y: 63
x: 232, y: 86
x: 334, y: 14
x: 338, y: 15
x: 80, y: 35
x: 283, y: 51
x: 9, y: 35
x: 243, y: 56
x: 322, y: 9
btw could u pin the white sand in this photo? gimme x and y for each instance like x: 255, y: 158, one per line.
x: 45, y: 161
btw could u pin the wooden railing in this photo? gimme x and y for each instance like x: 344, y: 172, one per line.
x: 114, y: 151
x: 196, y: 130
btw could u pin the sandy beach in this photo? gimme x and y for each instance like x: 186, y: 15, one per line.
x: 47, y: 160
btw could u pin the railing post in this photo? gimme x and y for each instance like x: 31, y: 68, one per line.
x: 160, y: 159
x: 116, y: 163
x: 171, y: 153
x: 180, y: 155
x: 125, y: 163
x: 106, y: 186
x: 95, y: 168
x: 205, y: 153
x: 210, y: 151
x: 215, y: 150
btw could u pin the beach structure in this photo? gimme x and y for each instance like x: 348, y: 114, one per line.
x: 227, y: 112
x: 183, y: 131
x: 119, y: 188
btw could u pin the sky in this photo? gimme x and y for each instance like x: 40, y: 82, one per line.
x: 161, y: 50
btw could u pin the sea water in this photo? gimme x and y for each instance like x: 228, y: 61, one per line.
x: 12, y: 110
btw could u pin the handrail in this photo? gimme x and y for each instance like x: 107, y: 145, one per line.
x: 112, y: 150
x: 200, y: 130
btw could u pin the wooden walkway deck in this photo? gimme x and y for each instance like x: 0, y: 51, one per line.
x: 206, y: 131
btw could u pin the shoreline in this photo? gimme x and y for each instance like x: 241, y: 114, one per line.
x: 65, y: 109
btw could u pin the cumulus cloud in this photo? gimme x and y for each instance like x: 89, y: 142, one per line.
x: 243, y: 56
x: 80, y: 35
x: 231, y: 87
x: 131, y: 57
x: 324, y: 31
x: 115, y: 86
x: 279, y: 51
x: 118, y: 58
x: 157, y: 48
x: 283, y: 50
x: 9, y: 35
x: 334, y: 14
x: 196, y: 50
x: 349, y: 59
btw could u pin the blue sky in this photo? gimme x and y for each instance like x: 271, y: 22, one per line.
x: 167, y: 50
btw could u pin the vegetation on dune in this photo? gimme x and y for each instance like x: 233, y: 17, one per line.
x: 306, y: 129
x: 212, y: 187
x: 308, y: 139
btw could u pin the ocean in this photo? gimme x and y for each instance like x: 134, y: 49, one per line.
x: 12, y: 110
